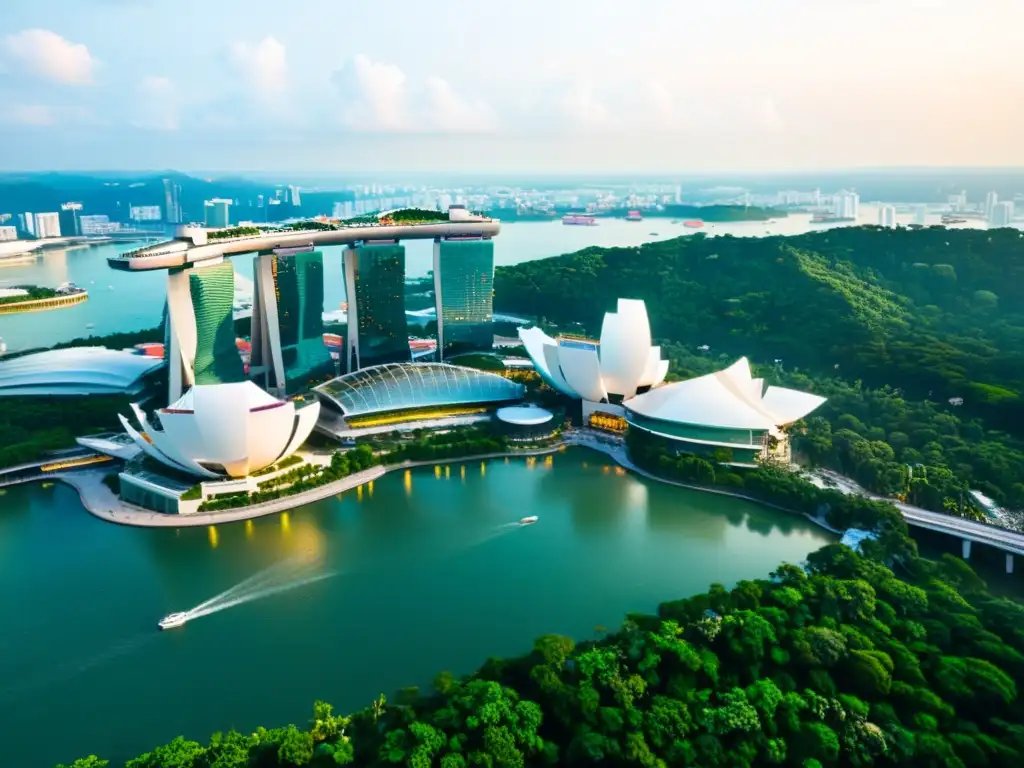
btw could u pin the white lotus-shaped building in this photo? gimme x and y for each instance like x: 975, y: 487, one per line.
x: 614, y: 369
x: 223, y: 430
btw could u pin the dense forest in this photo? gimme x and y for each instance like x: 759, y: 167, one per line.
x: 914, y: 335
x: 843, y: 662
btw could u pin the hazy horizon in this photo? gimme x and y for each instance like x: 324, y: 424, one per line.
x: 734, y: 86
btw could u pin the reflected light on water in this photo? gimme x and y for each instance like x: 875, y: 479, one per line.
x: 483, y: 469
x: 250, y: 529
x: 369, y: 488
x: 437, y: 471
x: 506, y: 459
x: 462, y: 472
x: 606, y: 469
x: 211, y: 534
x: 549, y: 461
x: 359, y: 493
x: 407, y: 482
x: 286, y: 523
x: 447, y: 471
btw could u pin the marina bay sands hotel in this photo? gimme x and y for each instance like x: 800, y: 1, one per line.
x: 288, y: 329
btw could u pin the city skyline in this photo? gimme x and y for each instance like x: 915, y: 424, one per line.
x: 713, y: 87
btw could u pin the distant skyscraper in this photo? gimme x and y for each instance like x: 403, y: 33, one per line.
x: 217, y: 213
x: 144, y: 212
x: 97, y: 224
x: 200, y: 344
x: 847, y: 205
x: 69, y: 224
x: 991, y: 200
x: 958, y: 203
x: 887, y: 216
x: 27, y: 224
x: 921, y: 215
x: 172, y: 202
x: 47, y: 225
x: 375, y: 287
x: 463, y: 291
x: 8, y: 233
x: 296, y: 197
x: 287, y: 321
x: 1002, y: 214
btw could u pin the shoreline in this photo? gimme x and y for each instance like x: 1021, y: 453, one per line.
x: 96, y: 497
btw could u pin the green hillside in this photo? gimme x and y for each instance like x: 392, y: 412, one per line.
x: 890, y: 324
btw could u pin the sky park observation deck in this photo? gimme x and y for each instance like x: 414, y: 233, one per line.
x: 288, y: 329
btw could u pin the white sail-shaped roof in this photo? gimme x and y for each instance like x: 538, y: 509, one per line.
x: 728, y: 399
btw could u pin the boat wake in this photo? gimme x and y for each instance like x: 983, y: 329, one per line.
x: 281, y: 577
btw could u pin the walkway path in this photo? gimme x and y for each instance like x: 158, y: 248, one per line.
x: 98, y: 499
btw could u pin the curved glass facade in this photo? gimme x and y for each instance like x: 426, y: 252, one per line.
x: 749, y: 438
x: 396, y: 387
x: 299, y: 290
x: 375, y: 286
x: 213, y: 294
x: 463, y: 275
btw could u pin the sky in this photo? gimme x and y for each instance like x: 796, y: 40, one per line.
x: 597, y: 86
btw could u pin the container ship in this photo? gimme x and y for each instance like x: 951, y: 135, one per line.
x: 634, y: 216
x: 580, y: 221
x: 693, y: 223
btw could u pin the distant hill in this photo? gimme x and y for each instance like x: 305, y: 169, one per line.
x: 932, y: 311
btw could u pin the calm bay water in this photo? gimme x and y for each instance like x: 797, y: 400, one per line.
x: 431, y: 574
x: 123, y: 301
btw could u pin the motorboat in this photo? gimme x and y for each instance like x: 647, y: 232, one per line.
x: 173, y: 620
x: 529, y: 520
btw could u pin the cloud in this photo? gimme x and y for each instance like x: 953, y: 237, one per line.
x: 263, y: 66
x: 157, y: 105
x: 447, y: 111
x: 48, y: 55
x: 30, y: 114
x: 373, y: 95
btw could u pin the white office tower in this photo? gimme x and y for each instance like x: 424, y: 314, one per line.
x: 296, y: 196
x: 8, y: 233
x: 991, y: 201
x: 921, y: 215
x: 1002, y: 214
x: 847, y: 205
x: 958, y: 203
x: 887, y: 216
x: 47, y: 225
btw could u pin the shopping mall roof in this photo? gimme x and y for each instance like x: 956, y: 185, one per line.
x: 402, y: 386
x: 727, y: 399
x: 76, y: 371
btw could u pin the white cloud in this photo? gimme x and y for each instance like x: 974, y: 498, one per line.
x: 30, y: 114
x: 263, y: 66
x: 447, y: 111
x: 158, y: 105
x: 373, y: 95
x: 48, y: 55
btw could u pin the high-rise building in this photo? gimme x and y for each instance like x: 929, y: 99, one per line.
x: 296, y: 197
x: 69, y: 224
x: 200, y: 337
x: 1002, y: 214
x: 97, y: 224
x: 991, y: 200
x: 958, y: 203
x: 47, y: 225
x: 8, y: 233
x: 172, y: 202
x: 144, y: 212
x: 464, y: 291
x: 375, y: 288
x: 287, y: 323
x: 847, y: 205
x: 217, y: 213
x: 921, y: 215
x: 887, y: 216
x: 27, y: 224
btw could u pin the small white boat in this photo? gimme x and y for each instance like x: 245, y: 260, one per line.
x: 172, y: 620
x: 529, y: 520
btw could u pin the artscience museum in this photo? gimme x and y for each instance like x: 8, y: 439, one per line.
x: 620, y: 381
